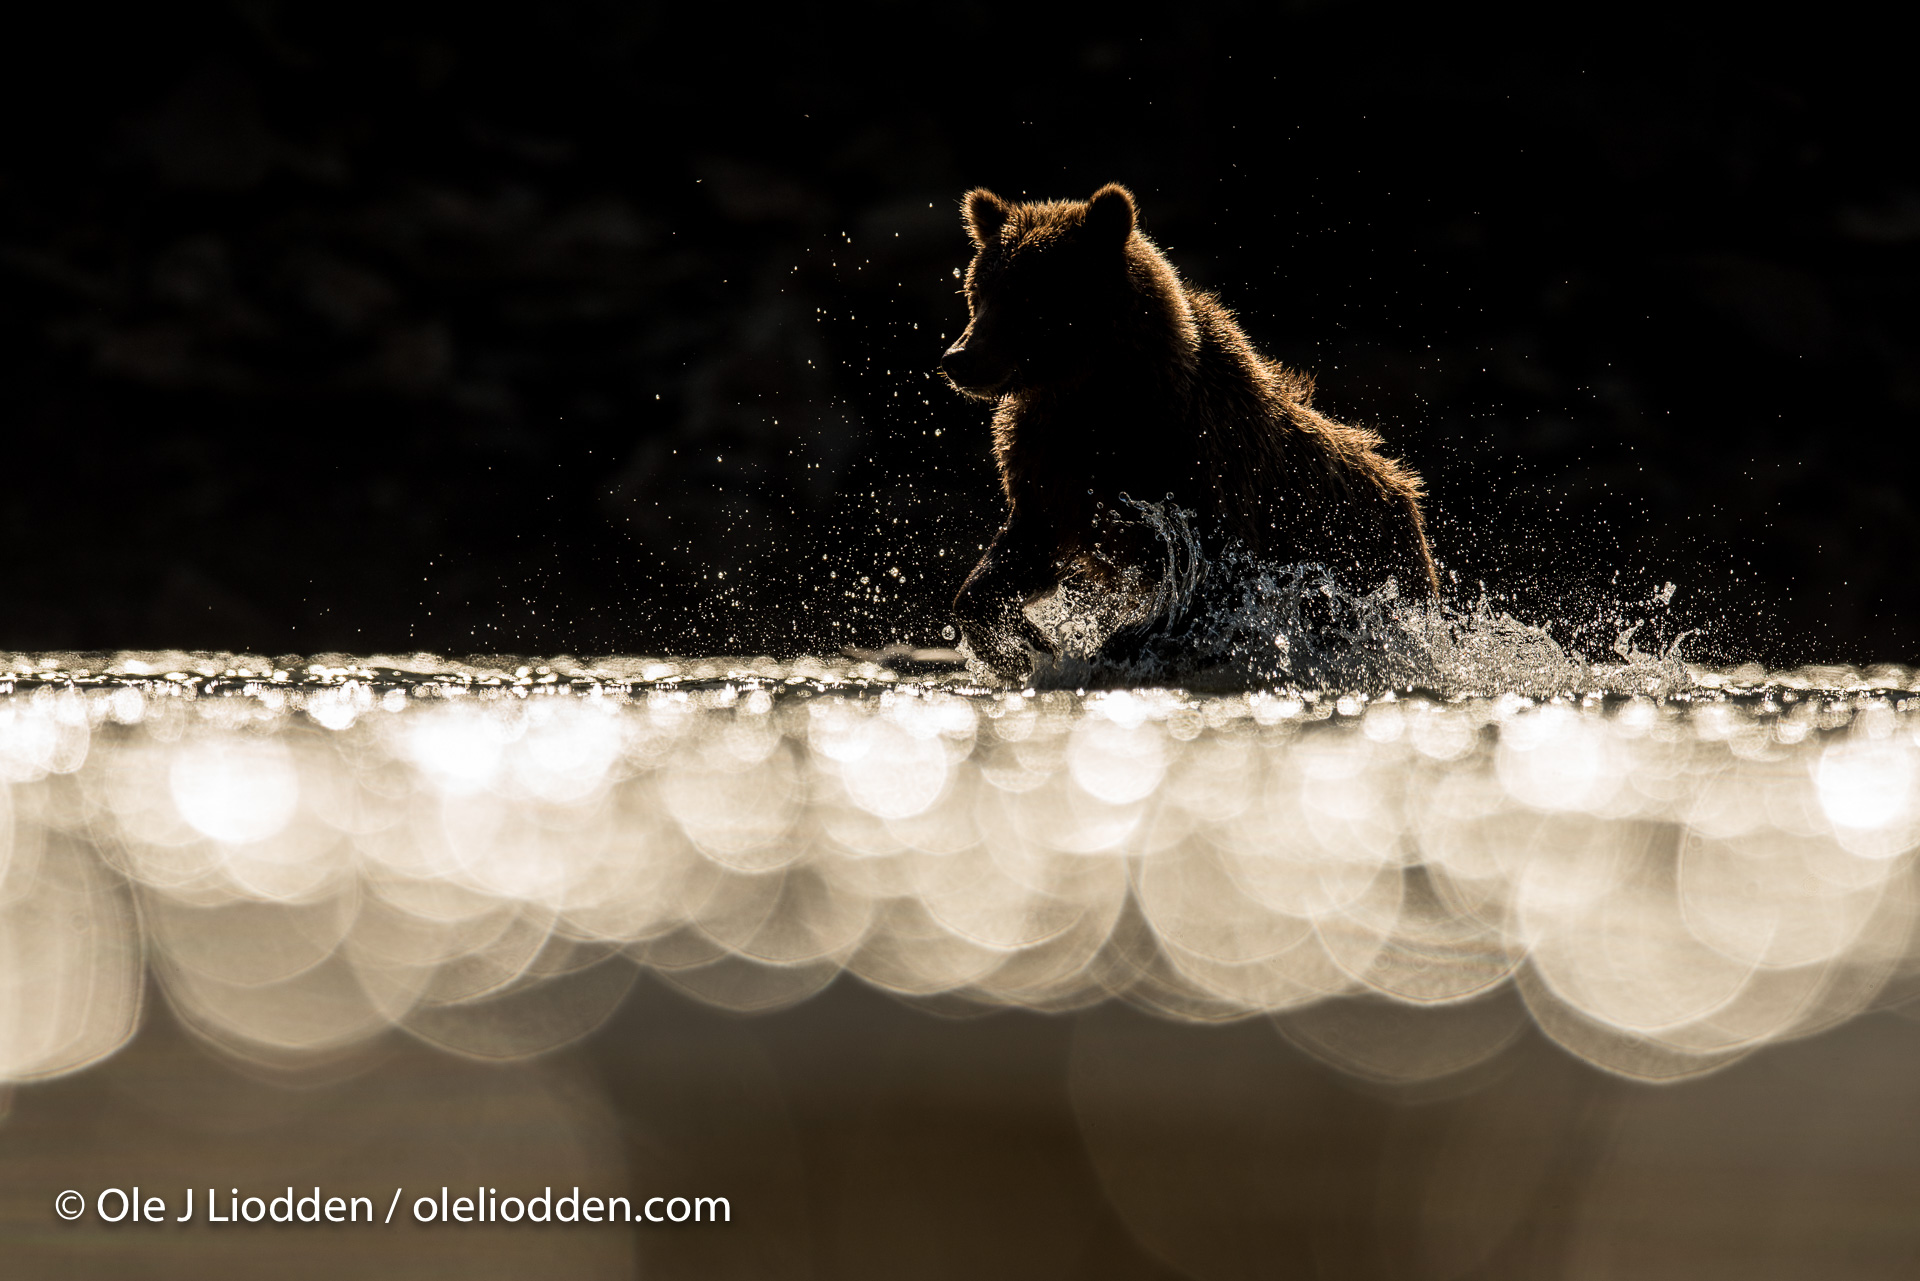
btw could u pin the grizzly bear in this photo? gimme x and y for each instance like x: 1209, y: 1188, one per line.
x: 1111, y: 378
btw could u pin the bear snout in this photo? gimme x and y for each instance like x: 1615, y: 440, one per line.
x: 954, y: 361
x: 971, y: 370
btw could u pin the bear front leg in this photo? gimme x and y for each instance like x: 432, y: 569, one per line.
x: 1019, y: 568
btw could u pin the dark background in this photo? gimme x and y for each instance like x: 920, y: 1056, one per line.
x: 602, y: 327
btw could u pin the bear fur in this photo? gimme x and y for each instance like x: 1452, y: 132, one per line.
x: 1110, y: 376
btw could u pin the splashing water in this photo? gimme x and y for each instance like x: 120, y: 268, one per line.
x: 1234, y: 621
x: 484, y: 856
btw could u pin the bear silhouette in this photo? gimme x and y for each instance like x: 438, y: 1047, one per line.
x: 1111, y: 377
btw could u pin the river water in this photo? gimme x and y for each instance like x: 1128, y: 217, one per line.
x: 1663, y: 868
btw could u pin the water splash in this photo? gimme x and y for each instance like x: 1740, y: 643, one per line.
x: 1231, y: 620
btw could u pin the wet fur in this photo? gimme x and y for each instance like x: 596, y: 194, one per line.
x: 1131, y: 382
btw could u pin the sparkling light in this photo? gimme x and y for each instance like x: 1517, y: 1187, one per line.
x: 1664, y: 885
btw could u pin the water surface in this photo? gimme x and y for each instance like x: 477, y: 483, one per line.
x: 306, y: 856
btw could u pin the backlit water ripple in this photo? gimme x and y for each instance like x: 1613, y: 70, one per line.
x: 303, y: 859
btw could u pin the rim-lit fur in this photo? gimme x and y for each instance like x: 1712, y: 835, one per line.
x: 1111, y: 376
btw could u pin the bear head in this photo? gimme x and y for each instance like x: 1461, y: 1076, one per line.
x: 1053, y: 289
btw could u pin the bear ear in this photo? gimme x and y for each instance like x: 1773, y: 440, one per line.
x: 1111, y: 215
x: 984, y: 214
